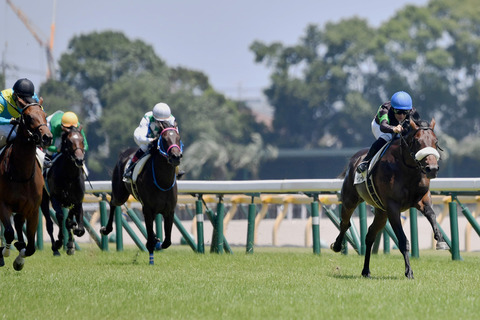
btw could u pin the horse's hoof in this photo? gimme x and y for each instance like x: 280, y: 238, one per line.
x: 19, y: 261
x: 6, y: 252
x: 158, y: 246
x: 366, y: 275
x: 18, y: 265
x: 57, y: 245
x: 334, y: 248
x: 56, y: 253
x: 2, y: 262
x: 70, y: 248
x: 105, y: 231
x: 442, y: 246
x: 79, y: 232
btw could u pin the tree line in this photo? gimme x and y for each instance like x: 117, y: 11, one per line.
x: 325, y: 90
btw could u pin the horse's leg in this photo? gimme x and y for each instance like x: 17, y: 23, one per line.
x: 395, y: 221
x: 167, y: 227
x: 149, y: 215
x: 378, y: 223
x: 350, y: 200
x: 45, y: 206
x: 425, y: 206
x: 31, y: 230
x: 119, y: 195
x: 21, y: 246
x: 77, y: 210
x: 9, y: 234
x: 59, y: 215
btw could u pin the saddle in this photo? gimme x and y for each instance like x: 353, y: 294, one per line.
x: 137, y: 168
x: 367, y: 178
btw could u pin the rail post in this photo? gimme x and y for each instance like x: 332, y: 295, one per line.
x: 118, y: 228
x: 414, y: 233
x: 40, y: 230
x: 199, y: 215
x: 362, y: 211
x: 452, y: 206
x: 386, y: 242
x: 468, y: 215
x: 158, y: 226
x: 315, y: 224
x: 251, y: 225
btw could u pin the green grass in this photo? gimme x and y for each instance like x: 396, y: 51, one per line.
x: 273, y: 283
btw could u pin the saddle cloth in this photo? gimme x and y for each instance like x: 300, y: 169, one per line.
x: 367, y: 178
x: 138, y: 166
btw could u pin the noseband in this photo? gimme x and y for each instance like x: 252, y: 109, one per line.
x: 422, y: 153
x: 161, y: 147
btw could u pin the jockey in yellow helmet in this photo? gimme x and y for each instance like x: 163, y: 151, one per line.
x: 55, y: 122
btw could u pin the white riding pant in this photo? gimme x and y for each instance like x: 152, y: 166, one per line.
x: 378, y: 133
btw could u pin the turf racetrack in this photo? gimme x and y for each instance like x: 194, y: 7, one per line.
x: 273, y: 283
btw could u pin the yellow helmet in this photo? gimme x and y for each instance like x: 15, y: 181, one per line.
x: 69, y: 119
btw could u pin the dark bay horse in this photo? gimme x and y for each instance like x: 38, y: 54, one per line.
x: 21, y: 181
x: 401, y: 179
x: 65, y: 188
x: 155, y: 186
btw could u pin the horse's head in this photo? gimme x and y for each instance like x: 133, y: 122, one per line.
x: 423, y: 146
x: 170, y: 145
x: 73, y: 145
x: 33, y: 125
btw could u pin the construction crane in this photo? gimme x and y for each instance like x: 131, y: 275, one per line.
x: 48, y: 45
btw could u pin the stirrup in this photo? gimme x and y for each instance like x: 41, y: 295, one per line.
x: 362, y: 166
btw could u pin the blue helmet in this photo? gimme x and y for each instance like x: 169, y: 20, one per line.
x: 401, y: 100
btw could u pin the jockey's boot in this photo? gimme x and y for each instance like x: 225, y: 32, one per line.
x: 47, y: 161
x: 129, y: 171
x: 376, y: 146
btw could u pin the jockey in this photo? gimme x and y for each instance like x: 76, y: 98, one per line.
x: 10, y: 106
x: 56, y: 122
x: 149, y: 129
x: 389, y: 120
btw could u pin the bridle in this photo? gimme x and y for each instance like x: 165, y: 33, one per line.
x: 161, y: 146
x: 33, y: 135
x: 165, y: 153
x: 67, y: 146
x: 420, y: 154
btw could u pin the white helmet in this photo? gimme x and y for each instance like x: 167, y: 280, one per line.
x: 161, y: 111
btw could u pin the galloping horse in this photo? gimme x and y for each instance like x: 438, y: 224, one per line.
x: 21, y: 181
x: 401, y: 180
x: 155, y: 186
x: 65, y: 188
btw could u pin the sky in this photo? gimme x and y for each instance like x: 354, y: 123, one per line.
x: 211, y: 36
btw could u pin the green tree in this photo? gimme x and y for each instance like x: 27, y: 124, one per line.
x: 326, y: 89
x: 114, y: 81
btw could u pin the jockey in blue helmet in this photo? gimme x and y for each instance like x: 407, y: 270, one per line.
x: 388, y: 121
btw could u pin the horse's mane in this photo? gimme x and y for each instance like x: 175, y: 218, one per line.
x: 421, y: 123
